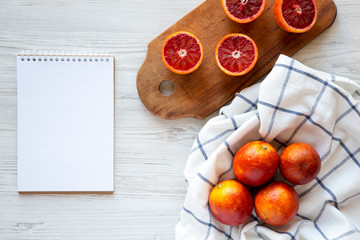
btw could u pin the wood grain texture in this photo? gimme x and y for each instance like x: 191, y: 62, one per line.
x: 150, y: 152
x: 202, y: 92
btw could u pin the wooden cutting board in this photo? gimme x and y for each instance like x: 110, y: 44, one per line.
x: 200, y: 93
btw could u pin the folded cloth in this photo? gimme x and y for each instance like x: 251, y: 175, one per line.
x: 294, y: 103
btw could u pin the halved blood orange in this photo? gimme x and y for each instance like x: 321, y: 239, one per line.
x: 182, y: 52
x: 243, y: 11
x: 295, y: 16
x: 236, y: 54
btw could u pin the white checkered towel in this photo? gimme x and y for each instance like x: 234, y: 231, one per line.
x: 293, y: 104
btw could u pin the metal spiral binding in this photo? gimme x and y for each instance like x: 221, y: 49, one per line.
x: 64, y: 56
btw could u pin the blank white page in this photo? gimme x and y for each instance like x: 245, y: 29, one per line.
x: 65, y: 123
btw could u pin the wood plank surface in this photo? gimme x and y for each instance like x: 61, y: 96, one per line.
x: 150, y: 152
x: 207, y: 89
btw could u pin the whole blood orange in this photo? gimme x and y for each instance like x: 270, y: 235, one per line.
x: 276, y: 204
x: 243, y: 11
x: 299, y: 163
x: 296, y: 16
x: 230, y: 202
x: 236, y: 54
x: 182, y: 52
x: 255, y: 163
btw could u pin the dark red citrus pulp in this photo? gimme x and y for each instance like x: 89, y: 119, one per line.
x: 243, y: 9
x: 182, y: 52
x: 236, y: 53
x: 298, y: 13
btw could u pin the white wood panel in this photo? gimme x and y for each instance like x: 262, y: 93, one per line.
x: 150, y: 152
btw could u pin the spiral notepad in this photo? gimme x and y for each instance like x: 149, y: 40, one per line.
x: 65, y: 122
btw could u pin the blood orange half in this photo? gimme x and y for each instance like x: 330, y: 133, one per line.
x: 295, y: 16
x: 243, y: 11
x: 236, y: 54
x: 182, y: 52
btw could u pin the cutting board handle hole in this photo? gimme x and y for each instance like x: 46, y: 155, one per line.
x: 166, y: 87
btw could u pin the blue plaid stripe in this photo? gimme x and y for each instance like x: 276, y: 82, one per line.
x: 329, y: 173
x: 252, y: 107
x: 228, y: 148
x: 258, y: 233
x: 328, y: 190
x: 345, y: 200
x: 357, y: 93
x: 321, y: 81
x: 226, y: 172
x: 210, y: 223
x: 230, y: 231
x: 207, y: 224
x: 315, y: 225
x: 206, y: 180
x: 292, y: 237
x: 241, y: 96
x: 346, y: 113
x: 326, y: 154
x: 297, y: 113
x: 234, y: 123
x: 332, y: 77
x: 256, y: 227
x: 280, y: 143
x: 345, y: 234
x: 255, y: 218
x: 279, y: 100
x: 201, y: 148
x: 321, y: 212
x: 252, y: 104
x: 231, y: 166
x: 311, y: 113
x: 321, y: 232
x: 349, y: 153
x: 305, y: 220
x: 201, y: 145
x: 329, y: 202
x: 350, y: 197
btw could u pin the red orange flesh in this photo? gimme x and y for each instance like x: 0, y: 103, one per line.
x: 295, y: 16
x: 243, y: 11
x: 236, y: 54
x: 182, y: 52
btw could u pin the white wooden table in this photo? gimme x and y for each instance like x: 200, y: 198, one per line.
x: 150, y: 152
